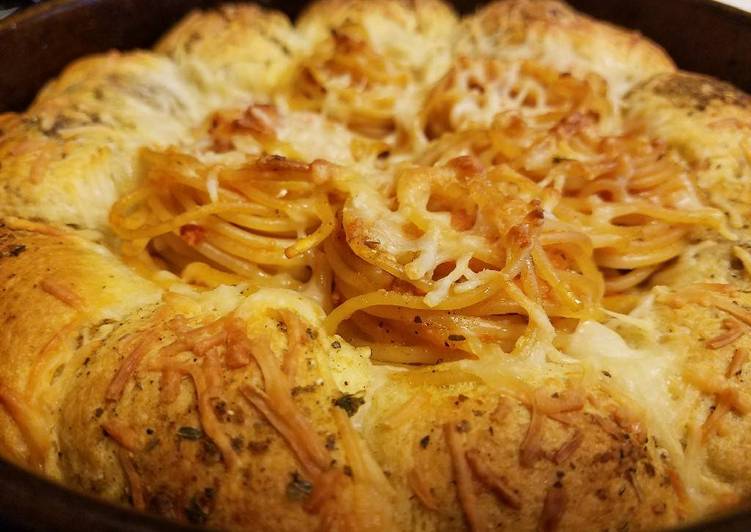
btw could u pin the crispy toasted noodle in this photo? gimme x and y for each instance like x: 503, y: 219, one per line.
x: 382, y: 268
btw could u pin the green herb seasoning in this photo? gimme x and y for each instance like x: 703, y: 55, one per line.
x: 190, y: 433
x: 298, y: 488
x: 349, y: 403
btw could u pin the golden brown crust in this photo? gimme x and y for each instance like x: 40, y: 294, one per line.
x: 555, y: 34
x: 708, y: 122
x: 211, y: 454
x: 182, y: 473
x: 234, y: 52
x: 699, y: 92
x: 714, y: 366
x: 57, y: 290
x: 432, y: 20
x: 609, y: 472
x: 168, y: 461
x: 401, y: 49
x: 73, y: 152
x: 414, y: 36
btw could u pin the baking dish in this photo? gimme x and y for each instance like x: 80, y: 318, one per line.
x: 37, y: 43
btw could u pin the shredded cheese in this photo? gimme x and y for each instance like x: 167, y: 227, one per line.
x: 463, y: 477
x: 62, y: 292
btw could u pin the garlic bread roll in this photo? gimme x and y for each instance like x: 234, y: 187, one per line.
x: 554, y: 34
x: 74, y: 151
x: 551, y: 457
x: 235, y: 52
x: 59, y: 291
x: 708, y: 122
x: 218, y: 408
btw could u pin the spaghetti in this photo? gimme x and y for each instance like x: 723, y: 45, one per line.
x: 495, y: 230
x: 261, y: 223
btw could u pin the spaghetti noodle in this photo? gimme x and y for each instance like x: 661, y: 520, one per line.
x: 497, y: 229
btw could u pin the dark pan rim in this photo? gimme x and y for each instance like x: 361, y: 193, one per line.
x: 35, y: 503
x: 49, y: 8
x: 39, y: 503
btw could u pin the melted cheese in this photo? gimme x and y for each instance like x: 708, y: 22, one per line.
x: 555, y: 35
x: 350, y: 366
x: 297, y: 135
x: 439, y: 244
x: 646, y: 374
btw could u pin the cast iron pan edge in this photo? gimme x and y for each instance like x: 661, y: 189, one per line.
x: 36, y: 43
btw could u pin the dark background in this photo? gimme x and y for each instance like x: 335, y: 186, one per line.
x: 7, y: 7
